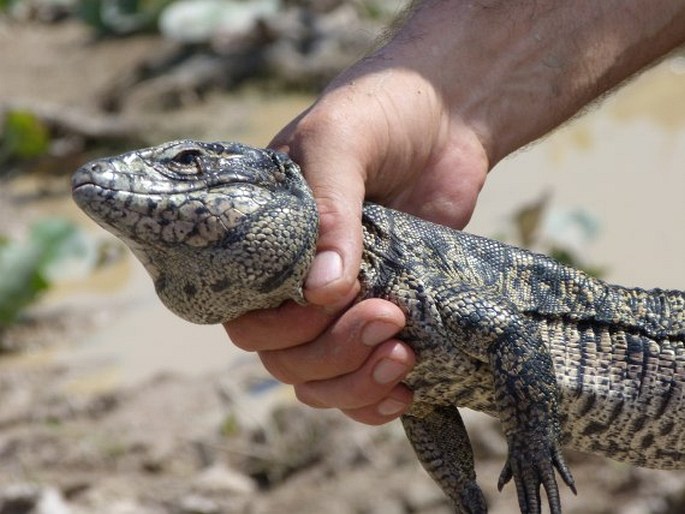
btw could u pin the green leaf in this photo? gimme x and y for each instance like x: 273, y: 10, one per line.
x: 24, y: 266
x: 121, y: 17
x: 52, y: 237
x: 24, y: 136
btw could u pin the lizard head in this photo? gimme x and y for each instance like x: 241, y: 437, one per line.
x: 222, y: 228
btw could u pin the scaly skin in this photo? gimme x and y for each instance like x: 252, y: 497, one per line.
x: 560, y: 358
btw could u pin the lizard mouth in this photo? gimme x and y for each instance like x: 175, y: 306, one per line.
x: 84, y: 192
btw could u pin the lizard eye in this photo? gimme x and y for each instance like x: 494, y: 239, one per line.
x: 187, y: 159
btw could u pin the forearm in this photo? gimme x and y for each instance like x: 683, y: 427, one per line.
x: 514, y: 70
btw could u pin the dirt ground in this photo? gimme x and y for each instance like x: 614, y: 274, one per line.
x: 223, y: 438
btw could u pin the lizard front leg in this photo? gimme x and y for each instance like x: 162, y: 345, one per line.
x: 526, y: 395
x: 442, y: 445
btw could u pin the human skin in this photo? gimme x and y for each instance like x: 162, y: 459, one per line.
x: 416, y: 126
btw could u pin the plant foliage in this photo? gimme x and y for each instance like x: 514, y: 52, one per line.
x: 23, y: 136
x: 25, y: 266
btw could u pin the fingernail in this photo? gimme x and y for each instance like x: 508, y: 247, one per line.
x: 376, y: 332
x: 390, y: 407
x: 326, y: 268
x: 388, y: 370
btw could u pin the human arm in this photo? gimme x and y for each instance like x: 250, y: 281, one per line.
x: 416, y: 126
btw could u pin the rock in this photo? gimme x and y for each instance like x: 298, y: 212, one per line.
x: 51, y: 502
x: 223, y: 480
x: 19, y: 498
x: 24, y: 498
x: 195, y: 504
x: 200, y: 21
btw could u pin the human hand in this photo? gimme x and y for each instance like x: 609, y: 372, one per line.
x: 380, y: 132
x: 415, y: 127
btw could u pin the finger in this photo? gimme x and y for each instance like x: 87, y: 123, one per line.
x: 389, y: 408
x: 319, y: 145
x: 285, y: 326
x: 384, y: 369
x: 342, y: 349
x: 282, y: 327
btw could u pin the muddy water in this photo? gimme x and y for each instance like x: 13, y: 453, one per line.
x: 622, y: 163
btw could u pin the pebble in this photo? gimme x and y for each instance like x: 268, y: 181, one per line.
x: 51, y: 501
x: 27, y: 498
x: 196, y: 504
x: 221, y: 479
x: 19, y: 498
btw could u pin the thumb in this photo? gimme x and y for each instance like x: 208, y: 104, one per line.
x: 338, y: 187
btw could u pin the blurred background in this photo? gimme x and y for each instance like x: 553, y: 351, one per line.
x: 112, y: 405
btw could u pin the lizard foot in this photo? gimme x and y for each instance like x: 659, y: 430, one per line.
x: 531, y: 463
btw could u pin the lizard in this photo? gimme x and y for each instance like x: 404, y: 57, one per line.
x: 562, y: 359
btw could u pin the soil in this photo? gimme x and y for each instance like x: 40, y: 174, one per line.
x: 227, y: 438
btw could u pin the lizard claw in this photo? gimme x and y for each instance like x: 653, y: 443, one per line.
x: 532, y: 464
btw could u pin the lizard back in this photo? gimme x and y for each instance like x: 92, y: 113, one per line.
x: 618, y: 353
